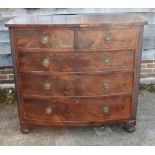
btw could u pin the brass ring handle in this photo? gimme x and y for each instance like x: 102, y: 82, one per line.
x: 47, y: 85
x: 48, y: 110
x: 77, y: 101
x: 76, y: 54
x: 106, y: 85
x: 108, y: 39
x: 45, y: 38
x: 106, y: 109
x: 46, y: 62
x: 107, y: 61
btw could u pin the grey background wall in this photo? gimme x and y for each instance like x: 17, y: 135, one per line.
x: 6, y: 14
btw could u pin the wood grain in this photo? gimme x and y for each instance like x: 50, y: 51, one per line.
x: 82, y: 20
x: 94, y: 39
x: 77, y: 84
x: 76, y: 62
x: 34, y: 38
x: 81, y: 109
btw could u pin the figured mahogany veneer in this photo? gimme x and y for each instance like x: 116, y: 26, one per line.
x: 77, y: 84
x: 95, y: 39
x: 87, y: 39
x: 77, y: 69
x: 56, y: 39
x: 76, y: 62
x: 77, y: 109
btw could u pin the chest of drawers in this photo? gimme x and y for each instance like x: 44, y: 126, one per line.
x: 76, y: 70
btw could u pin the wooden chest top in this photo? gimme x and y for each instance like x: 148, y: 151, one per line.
x: 83, y: 20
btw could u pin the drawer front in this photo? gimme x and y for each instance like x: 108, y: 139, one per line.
x: 45, y: 38
x: 101, y: 61
x: 77, y: 85
x: 98, y: 39
x: 77, y: 109
x: 76, y: 62
x: 47, y: 62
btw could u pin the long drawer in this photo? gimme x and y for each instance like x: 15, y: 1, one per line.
x: 77, y: 109
x: 77, y: 84
x: 76, y: 62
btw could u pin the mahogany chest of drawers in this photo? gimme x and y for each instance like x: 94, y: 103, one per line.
x: 77, y: 70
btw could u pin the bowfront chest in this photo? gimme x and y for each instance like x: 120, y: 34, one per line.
x: 76, y: 70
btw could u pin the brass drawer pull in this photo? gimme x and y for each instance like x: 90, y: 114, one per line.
x: 107, y: 61
x: 108, y: 39
x: 46, y: 62
x: 47, y: 85
x: 48, y: 110
x: 106, y: 85
x: 45, y: 38
x: 106, y: 109
x: 77, y: 76
x: 76, y: 54
x: 77, y: 101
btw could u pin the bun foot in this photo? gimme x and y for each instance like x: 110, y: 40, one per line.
x: 130, y: 126
x: 26, y: 129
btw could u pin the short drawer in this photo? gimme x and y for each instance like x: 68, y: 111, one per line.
x: 77, y: 109
x: 107, y: 60
x: 98, y: 39
x: 53, y: 62
x: 77, y: 84
x: 76, y: 62
x: 35, y: 38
